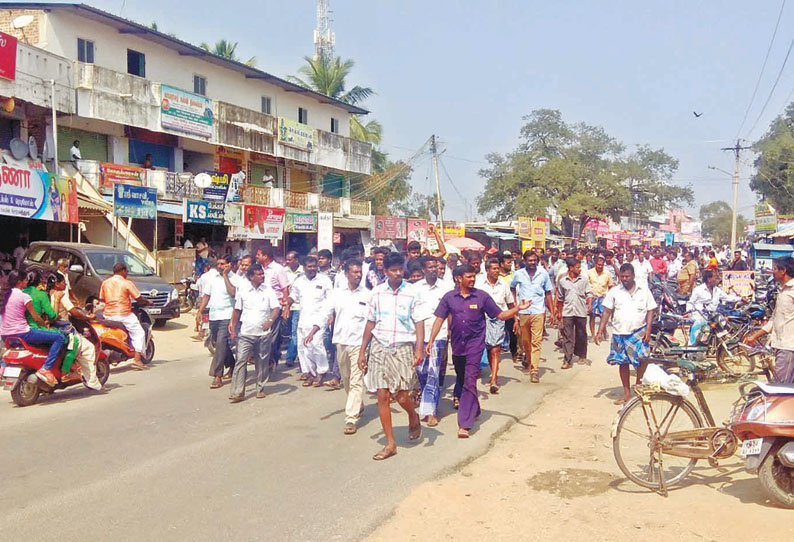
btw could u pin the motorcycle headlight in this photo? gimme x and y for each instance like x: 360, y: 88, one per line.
x: 174, y: 295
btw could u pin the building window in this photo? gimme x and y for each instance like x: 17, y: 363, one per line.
x: 136, y: 63
x: 334, y: 125
x: 303, y: 115
x: 266, y: 105
x: 200, y: 85
x: 85, y: 51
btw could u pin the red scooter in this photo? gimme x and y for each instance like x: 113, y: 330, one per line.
x: 23, y: 360
x: 764, y: 419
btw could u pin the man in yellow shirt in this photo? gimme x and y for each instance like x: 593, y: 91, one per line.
x: 688, y: 274
x: 600, y: 282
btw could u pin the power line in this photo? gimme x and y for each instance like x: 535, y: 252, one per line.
x: 763, y: 67
x: 774, y: 86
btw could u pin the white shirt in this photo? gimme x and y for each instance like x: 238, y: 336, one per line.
x: 499, y: 292
x: 702, y: 298
x: 673, y: 268
x: 75, y: 152
x: 429, y: 297
x: 255, y: 306
x: 205, y: 279
x: 238, y: 281
x: 221, y: 303
x: 187, y: 244
x: 291, y: 276
x: 641, y: 271
x: 628, y: 309
x: 350, y: 308
x: 781, y: 325
x: 312, y: 293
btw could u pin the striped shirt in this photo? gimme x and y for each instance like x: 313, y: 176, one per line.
x: 395, y: 313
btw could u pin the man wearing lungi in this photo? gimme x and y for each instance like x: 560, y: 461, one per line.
x: 495, y: 328
x: 394, y: 321
x: 631, y: 309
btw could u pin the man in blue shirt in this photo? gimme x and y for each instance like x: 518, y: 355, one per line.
x: 532, y: 283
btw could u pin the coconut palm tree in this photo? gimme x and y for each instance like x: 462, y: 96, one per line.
x: 227, y: 49
x: 329, y: 77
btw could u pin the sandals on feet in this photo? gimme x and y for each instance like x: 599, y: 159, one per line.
x: 463, y: 433
x: 415, y: 433
x: 384, y: 454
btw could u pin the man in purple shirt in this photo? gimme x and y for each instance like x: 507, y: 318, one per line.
x: 468, y: 306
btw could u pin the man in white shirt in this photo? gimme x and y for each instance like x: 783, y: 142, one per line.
x: 494, y: 328
x: 673, y: 265
x: 642, y: 269
x: 19, y: 254
x: 705, y: 298
x: 630, y: 307
x: 346, y: 308
x: 311, y: 290
x: 432, y: 370
x: 221, y: 305
x: 293, y: 269
x: 74, y: 152
x: 256, y: 307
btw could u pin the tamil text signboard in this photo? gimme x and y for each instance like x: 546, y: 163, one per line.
x: 300, y: 223
x: 203, y: 212
x: 132, y: 201
x: 32, y: 193
x: 8, y: 56
x: 111, y: 174
x: 217, y: 190
x: 185, y: 112
x: 741, y: 283
x: 295, y: 134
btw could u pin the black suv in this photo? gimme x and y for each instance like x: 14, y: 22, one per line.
x: 90, y: 264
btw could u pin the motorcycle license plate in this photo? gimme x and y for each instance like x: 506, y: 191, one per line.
x: 12, y: 372
x: 154, y: 311
x: 752, y: 446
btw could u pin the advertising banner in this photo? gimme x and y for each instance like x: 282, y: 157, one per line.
x: 784, y: 221
x: 233, y: 215
x: 300, y: 222
x: 389, y: 227
x: 325, y: 231
x: 111, y: 174
x: 295, y: 134
x: 522, y: 229
x: 417, y: 230
x: 765, y: 218
x: 8, y: 56
x: 539, y: 233
x: 219, y: 188
x: 259, y: 222
x: 31, y: 193
x: 741, y: 283
x: 203, y: 212
x: 132, y: 201
x: 454, y: 230
x: 185, y: 112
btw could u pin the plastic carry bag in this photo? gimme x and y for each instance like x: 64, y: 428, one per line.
x: 672, y: 384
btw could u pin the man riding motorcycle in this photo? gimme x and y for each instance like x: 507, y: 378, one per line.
x: 118, y: 293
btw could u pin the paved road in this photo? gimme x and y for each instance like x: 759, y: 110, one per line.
x: 163, y: 455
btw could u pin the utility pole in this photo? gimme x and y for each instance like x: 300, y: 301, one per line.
x: 438, y: 184
x: 736, y: 151
x: 324, y: 39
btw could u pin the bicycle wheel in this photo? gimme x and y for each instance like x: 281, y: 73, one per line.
x: 734, y: 360
x: 640, y: 426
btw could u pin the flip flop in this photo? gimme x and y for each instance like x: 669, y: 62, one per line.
x: 415, y: 433
x: 620, y: 402
x: 215, y: 385
x: 384, y: 454
x: 463, y: 433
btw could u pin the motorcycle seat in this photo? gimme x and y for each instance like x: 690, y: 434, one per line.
x: 775, y: 389
x: 695, y: 366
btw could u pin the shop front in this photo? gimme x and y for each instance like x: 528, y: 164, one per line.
x: 300, y: 231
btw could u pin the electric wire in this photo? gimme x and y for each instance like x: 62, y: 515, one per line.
x: 763, y: 67
x: 772, y: 90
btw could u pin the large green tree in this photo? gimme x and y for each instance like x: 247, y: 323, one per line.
x: 774, y: 176
x: 227, y: 49
x: 716, y: 218
x: 578, y: 170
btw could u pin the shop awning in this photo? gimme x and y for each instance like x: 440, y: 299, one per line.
x: 500, y: 235
x: 348, y: 223
x: 169, y: 210
x: 92, y: 207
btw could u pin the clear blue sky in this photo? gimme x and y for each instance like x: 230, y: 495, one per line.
x: 469, y: 70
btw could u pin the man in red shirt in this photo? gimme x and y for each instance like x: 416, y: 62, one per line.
x: 659, y: 264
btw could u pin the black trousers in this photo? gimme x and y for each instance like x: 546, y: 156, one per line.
x: 219, y: 334
x: 573, y: 334
x: 511, y: 336
x: 275, y: 348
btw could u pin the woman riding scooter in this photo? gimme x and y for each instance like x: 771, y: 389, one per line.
x: 14, y: 305
x: 85, y: 348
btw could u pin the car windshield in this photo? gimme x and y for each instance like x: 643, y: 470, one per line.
x: 103, y: 263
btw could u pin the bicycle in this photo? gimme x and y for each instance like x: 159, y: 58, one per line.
x: 657, y: 437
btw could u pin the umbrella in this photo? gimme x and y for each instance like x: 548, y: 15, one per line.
x: 464, y: 243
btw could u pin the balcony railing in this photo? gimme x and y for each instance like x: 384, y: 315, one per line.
x: 245, y: 128
x: 258, y: 195
x: 330, y: 205
x: 360, y: 207
x: 35, y: 68
x: 296, y: 200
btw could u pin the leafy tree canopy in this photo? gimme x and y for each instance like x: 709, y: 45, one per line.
x: 716, y: 218
x: 579, y: 170
x: 774, y: 177
x: 227, y: 49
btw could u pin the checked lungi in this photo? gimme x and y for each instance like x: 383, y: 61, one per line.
x: 597, y: 308
x: 628, y: 349
x: 430, y: 373
x: 391, y: 367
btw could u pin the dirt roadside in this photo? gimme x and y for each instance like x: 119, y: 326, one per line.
x: 553, y: 476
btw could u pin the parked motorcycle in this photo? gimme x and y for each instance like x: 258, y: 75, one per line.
x: 189, y: 295
x: 764, y: 419
x: 23, y: 360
